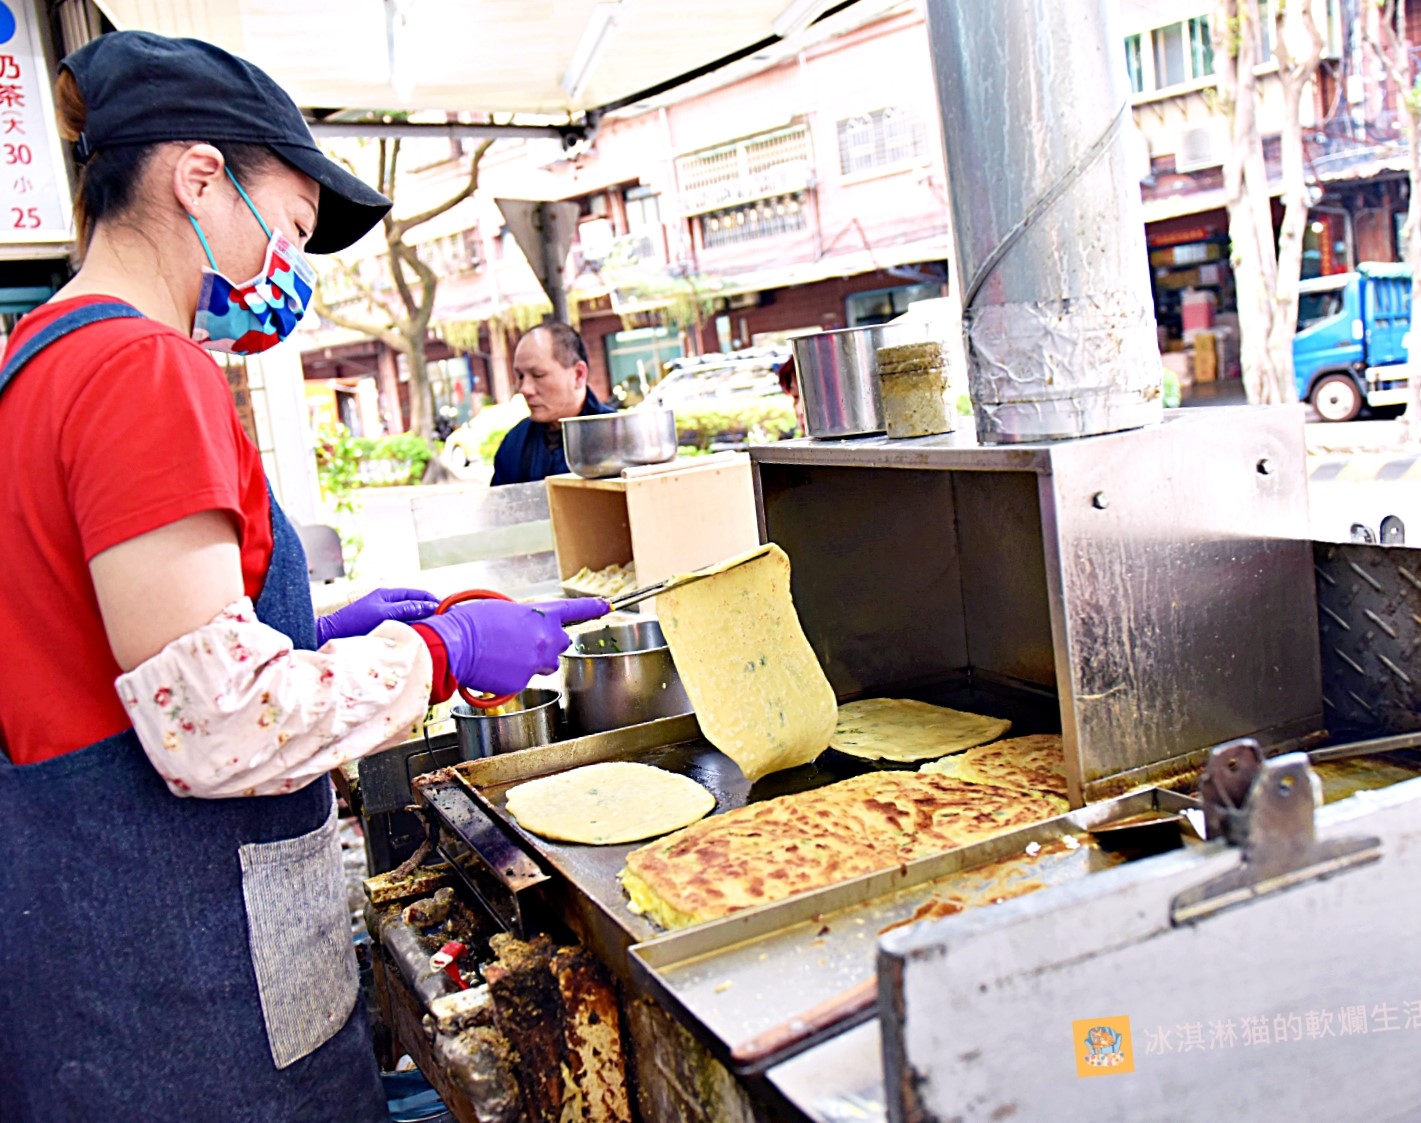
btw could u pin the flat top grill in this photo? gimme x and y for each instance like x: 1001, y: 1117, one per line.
x: 675, y: 744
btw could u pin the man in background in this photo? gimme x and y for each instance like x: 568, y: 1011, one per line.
x: 550, y: 371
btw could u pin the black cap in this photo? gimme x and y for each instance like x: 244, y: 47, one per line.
x: 141, y: 88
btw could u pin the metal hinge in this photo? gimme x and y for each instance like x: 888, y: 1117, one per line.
x: 1266, y: 808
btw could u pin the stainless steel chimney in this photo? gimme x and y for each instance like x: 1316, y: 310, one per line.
x: 1059, y: 321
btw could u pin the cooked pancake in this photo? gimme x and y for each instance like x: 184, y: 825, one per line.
x: 767, y: 851
x: 758, y: 691
x: 606, y: 803
x: 1030, y: 764
x: 904, y: 730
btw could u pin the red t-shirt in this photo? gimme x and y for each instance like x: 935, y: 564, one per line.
x: 116, y: 430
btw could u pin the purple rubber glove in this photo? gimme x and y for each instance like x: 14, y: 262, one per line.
x: 361, y: 617
x: 496, y: 646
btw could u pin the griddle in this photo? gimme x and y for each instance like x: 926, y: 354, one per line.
x: 676, y: 745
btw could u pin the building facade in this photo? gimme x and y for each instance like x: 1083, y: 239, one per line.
x: 1354, y: 143
x: 792, y: 193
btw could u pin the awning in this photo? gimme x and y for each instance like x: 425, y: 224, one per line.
x: 557, y: 57
x: 922, y: 251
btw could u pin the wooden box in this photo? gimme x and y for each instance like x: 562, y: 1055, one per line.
x: 665, y: 519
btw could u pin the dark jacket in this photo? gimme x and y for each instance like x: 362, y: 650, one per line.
x: 524, y: 455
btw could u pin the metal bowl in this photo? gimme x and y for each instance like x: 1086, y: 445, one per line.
x: 482, y: 734
x: 619, y: 675
x: 602, y: 444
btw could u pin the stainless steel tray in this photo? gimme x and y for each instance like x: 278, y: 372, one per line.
x: 733, y: 979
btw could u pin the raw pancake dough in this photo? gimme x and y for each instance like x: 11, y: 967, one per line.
x: 757, y: 688
x: 1030, y: 764
x: 606, y: 803
x: 904, y: 730
x: 769, y: 850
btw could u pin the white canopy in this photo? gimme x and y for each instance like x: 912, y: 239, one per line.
x: 525, y: 56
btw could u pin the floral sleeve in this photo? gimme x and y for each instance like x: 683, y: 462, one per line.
x: 232, y: 710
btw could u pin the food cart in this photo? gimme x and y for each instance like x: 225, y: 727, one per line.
x: 1186, y: 938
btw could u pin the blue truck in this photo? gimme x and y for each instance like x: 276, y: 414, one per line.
x: 1350, y: 349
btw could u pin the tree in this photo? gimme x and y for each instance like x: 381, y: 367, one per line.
x: 1391, y: 45
x: 1266, y: 272
x: 404, y: 327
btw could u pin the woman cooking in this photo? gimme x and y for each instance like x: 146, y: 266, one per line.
x: 173, y: 932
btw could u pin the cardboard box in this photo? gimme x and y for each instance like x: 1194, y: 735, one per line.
x: 665, y: 519
x: 1206, y: 358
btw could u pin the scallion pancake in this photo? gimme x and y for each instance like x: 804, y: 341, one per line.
x: 758, y: 690
x: 606, y: 803
x: 900, y: 729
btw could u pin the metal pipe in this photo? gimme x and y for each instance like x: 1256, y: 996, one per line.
x: 450, y: 130
x: 1049, y: 232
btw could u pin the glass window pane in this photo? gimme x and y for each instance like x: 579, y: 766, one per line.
x: 1267, y: 30
x: 1169, y: 56
x: 1201, y: 47
x: 1133, y: 65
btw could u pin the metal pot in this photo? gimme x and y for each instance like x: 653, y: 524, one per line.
x: 838, y: 377
x: 600, y: 445
x: 619, y: 675
x: 482, y: 734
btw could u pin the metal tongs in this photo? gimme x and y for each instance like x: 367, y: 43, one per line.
x: 676, y: 581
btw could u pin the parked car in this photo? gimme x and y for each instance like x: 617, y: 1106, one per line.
x: 1350, y: 350
x: 479, y: 437
x: 739, y: 374
x: 726, y: 401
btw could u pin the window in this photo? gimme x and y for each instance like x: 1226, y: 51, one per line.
x: 1336, y: 37
x: 1169, y: 56
x: 1201, y: 47
x: 1179, y: 53
x: 882, y: 305
x: 1267, y: 30
x: 879, y: 139
x: 636, y: 358
x: 1314, y: 307
x: 643, y: 208
x: 451, y: 254
x: 1133, y: 64
x: 781, y: 215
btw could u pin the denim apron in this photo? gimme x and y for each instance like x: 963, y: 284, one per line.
x: 174, y: 959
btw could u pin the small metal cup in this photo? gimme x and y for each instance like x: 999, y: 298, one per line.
x: 621, y: 674
x: 482, y: 735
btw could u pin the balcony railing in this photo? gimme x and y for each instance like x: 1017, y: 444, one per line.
x: 759, y: 167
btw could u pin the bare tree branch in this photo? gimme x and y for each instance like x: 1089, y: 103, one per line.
x: 393, y: 165
x: 470, y: 186
x: 427, y: 281
x: 406, y: 333
x: 388, y: 336
x: 374, y: 299
x: 1390, y: 49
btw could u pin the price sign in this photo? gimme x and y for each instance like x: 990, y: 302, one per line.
x: 34, y: 182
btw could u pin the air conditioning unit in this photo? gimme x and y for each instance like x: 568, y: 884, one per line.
x: 1200, y: 147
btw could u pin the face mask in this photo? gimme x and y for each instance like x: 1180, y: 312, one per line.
x: 249, y: 318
